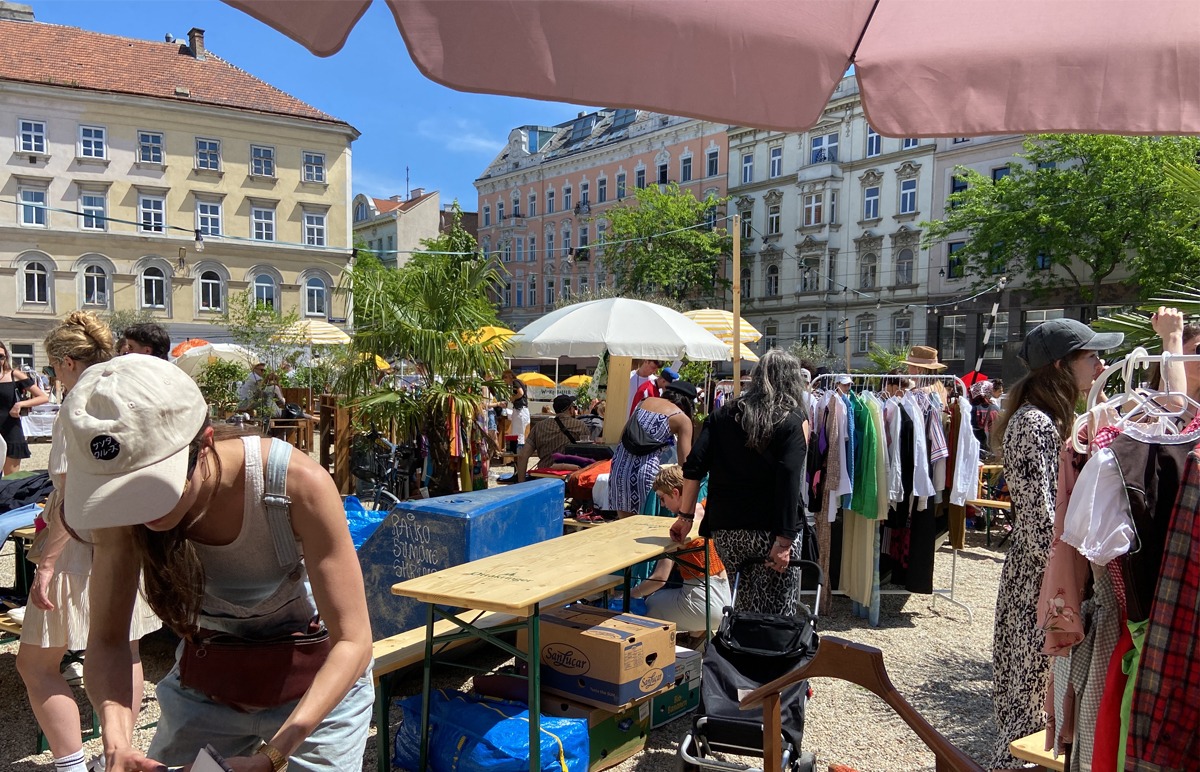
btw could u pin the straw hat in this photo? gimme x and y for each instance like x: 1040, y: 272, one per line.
x: 924, y: 356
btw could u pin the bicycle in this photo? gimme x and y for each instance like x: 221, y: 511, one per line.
x: 385, y: 466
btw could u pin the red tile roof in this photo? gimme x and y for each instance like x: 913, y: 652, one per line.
x: 385, y: 205
x: 68, y: 57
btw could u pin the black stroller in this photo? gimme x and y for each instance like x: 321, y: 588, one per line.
x: 748, y: 651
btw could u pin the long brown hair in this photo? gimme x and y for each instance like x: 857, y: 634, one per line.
x: 1051, y: 389
x: 173, y: 575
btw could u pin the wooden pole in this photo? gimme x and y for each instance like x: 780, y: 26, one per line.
x: 616, y: 405
x: 737, y: 305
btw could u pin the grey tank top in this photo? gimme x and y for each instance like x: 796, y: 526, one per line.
x: 246, y: 590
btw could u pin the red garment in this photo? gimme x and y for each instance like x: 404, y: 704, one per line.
x: 647, y: 389
x: 1108, y: 719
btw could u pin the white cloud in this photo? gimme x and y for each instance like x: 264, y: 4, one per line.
x: 460, y: 136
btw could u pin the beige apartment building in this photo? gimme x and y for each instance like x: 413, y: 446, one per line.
x: 393, y: 228
x: 154, y: 176
x: 542, y: 200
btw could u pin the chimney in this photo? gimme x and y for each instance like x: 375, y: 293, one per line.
x: 416, y: 193
x: 397, y: 198
x: 196, y: 43
x: 15, y: 11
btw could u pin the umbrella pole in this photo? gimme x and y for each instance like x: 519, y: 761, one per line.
x: 616, y: 404
x: 737, y: 305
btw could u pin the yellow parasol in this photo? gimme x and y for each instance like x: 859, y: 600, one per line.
x: 720, y: 323
x: 380, y: 362
x: 489, y: 336
x: 577, y: 381
x: 536, y: 379
x: 313, y: 332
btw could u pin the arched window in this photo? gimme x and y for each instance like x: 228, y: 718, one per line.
x: 314, y: 297
x: 533, y: 290
x: 95, y: 286
x: 772, y: 281
x: 904, y: 267
x: 869, y: 272
x: 264, y: 290
x: 745, y: 282
x: 360, y: 211
x: 37, y: 283
x: 154, y: 288
x: 210, y: 291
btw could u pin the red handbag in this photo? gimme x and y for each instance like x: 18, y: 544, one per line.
x: 251, y: 675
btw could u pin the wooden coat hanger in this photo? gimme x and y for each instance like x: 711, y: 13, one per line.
x: 861, y: 665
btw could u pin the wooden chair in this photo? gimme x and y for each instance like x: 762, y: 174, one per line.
x: 861, y: 665
x: 300, y: 396
x: 986, y: 501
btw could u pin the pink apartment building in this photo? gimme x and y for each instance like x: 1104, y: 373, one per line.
x: 542, y: 200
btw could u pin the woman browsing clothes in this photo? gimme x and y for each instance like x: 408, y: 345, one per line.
x: 246, y: 557
x: 1063, y: 364
x: 18, y: 391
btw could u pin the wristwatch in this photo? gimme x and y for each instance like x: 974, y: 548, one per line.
x: 279, y: 762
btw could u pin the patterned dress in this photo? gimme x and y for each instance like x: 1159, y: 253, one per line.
x: 1020, y: 669
x: 633, y: 476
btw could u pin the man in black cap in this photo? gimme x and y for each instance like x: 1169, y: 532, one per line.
x: 549, y: 436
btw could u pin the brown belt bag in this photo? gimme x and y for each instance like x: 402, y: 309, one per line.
x: 252, y: 675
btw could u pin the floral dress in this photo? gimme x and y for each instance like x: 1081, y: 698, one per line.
x: 1020, y: 669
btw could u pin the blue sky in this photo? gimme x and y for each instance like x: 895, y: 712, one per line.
x: 444, y: 137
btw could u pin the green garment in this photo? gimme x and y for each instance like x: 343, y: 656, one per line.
x: 865, y: 500
x: 1130, y: 664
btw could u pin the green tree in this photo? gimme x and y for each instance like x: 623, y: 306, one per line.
x: 818, y: 355
x: 885, y: 360
x: 1076, y: 209
x: 218, y: 382
x: 122, y: 320
x: 659, y: 242
x: 261, y: 328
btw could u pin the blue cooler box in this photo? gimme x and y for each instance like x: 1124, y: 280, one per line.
x: 427, y: 535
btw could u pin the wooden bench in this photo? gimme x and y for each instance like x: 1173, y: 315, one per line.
x: 1032, y: 748
x: 397, y: 652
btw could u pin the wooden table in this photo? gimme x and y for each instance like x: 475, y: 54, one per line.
x: 518, y: 582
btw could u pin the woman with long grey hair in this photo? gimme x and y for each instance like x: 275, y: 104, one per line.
x: 753, y: 449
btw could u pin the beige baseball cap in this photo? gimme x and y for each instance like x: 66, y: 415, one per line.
x: 128, y: 424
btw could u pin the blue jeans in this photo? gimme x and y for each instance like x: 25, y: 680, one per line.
x: 189, y: 721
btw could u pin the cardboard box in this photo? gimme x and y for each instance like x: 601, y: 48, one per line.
x: 668, y: 706
x: 688, y: 664
x: 613, y: 737
x: 604, y: 658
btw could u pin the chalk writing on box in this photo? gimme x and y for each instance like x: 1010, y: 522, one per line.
x: 413, y: 551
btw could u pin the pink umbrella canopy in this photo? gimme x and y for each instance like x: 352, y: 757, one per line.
x: 925, y: 67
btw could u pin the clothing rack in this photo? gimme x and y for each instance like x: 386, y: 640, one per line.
x: 957, y: 388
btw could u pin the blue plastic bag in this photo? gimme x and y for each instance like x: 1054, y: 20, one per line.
x: 636, y: 606
x: 470, y: 734
x: 361, y: 520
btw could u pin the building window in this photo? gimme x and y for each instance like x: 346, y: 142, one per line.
x: 1042, y: 262
x: 639, y: 178
x: 954, y: 336
x: 909, y: 143
x: 566, y: 199
x: 210, y: 291
x: 808, y: 332
x: 583, y: 284
x: 1000, y: 172
x: 745, y: 283
x: 770, y: 337
x: 685, y: 169
x: 747, y: 168
x: 95, y: 286
x: 959, y: 140
x: 902, y: 326
x: 360, y: 212
x: 520, y: 249
x: 714, y: 165
x: 208, y: 217
x: 956, y: 267
x: 824, y: 149
x: 871, y: 203
x: 549, y: 246
x: 516, y: 201
x: 662, y: 174
x: 866, y: 335
x: 772, y: 281
x: 520, y: 293
x: 93, y: 208
x: 710, y: 218
x: 532, y: 290
x: 602, y: 190
x: 314, y: 167
x: 601, y: 281
x: 549, y: 202
x: 150, y: 147
x: 500, y: 212
x: 264, y: 291
x: 532, y: 205
x: 874, y: 143
x: 747, y: 226
x: 315, y: 297
x: 584, y: 236
x: 810, y: 277
x: 152, y: 213
x: 566, y: 287
x: 314, y: 229
x: 908, y: 196
x: 620, y: 186
x: 868, y: 272
x: 487, y: 216
x: 507, y: 294
x: 33, y: 207
x: 584, y: 194
x: 549, y: 291
x: 776, y: 166
x: 566, y: 241
x: 532, y: 248
x: 37, y: 283
x: 262, y: 223
x: 812, y: 208
x: 154, y: 288
x: 22, y: 355
x: 773, y: 220
x: 995, y: 346
x: 208, y: 154
x: 1034, y: 318
x: 957, y: 185
x: 33, y: 136
x: 92, y: 142
x: 262, y: 161
x: 904, y: 267
x: 506, y: 251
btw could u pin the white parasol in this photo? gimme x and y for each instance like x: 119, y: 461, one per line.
x: 193, y: 360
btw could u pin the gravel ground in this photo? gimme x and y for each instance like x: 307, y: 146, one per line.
x: 938, y: 659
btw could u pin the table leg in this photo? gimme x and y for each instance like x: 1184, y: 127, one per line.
x: 533, y: 624
x: 628, y: 586
x: 426, y: 686
x: 383, y: 699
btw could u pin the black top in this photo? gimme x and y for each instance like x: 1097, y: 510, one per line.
x: 749, y: 490
x: 521, y: 401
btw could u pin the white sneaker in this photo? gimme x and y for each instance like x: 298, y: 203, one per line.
x: 73, y: 672
x: 96, y: 764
